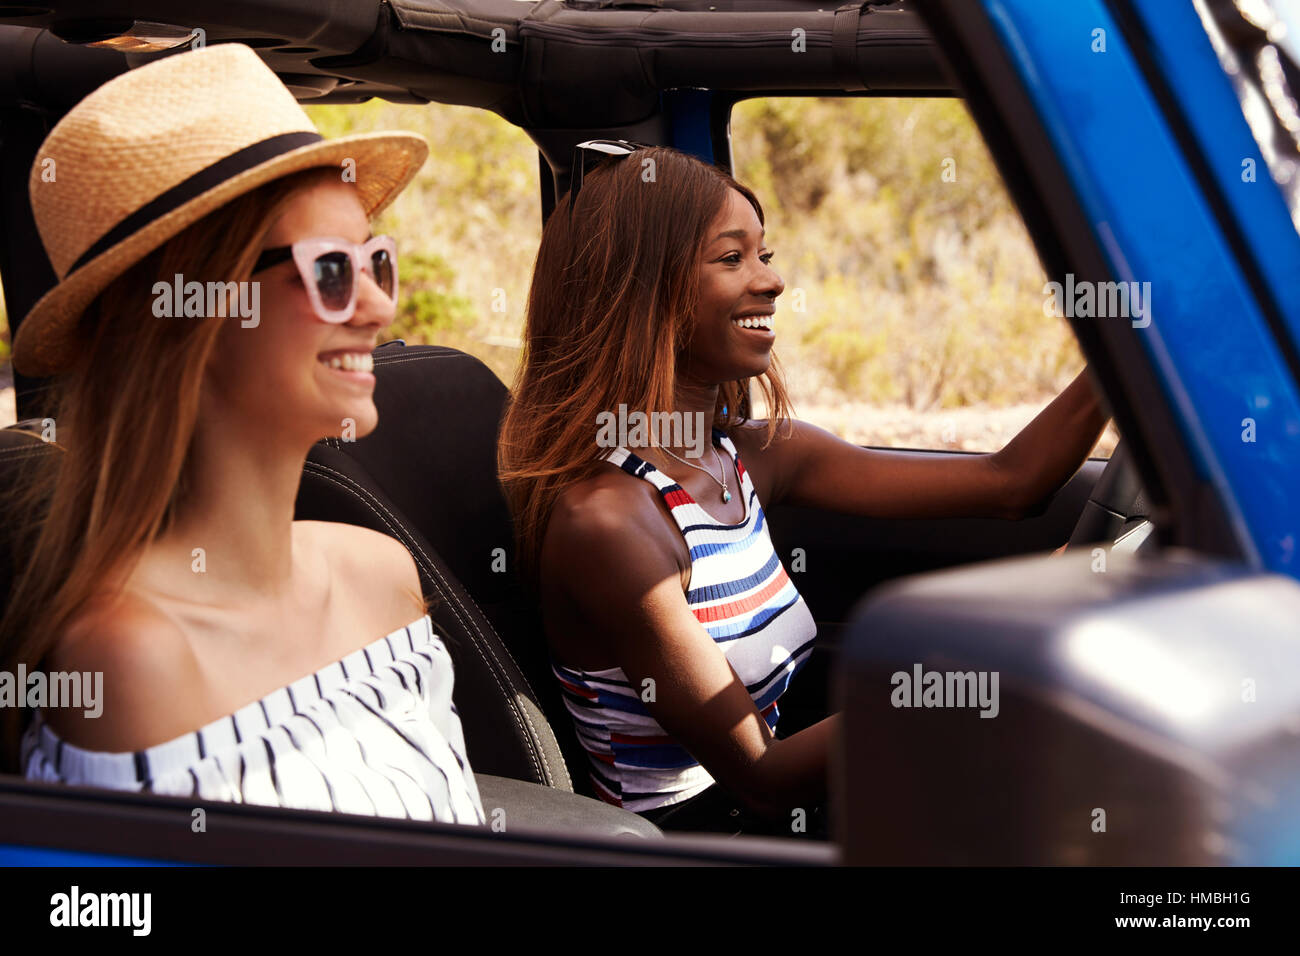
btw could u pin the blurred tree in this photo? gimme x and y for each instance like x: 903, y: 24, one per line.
x: 887, y: 215
x: 920, y: 281
x: 428, y: 311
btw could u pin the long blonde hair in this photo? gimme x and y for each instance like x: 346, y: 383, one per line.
x: 125, y: 416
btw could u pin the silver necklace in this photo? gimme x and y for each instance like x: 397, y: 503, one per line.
x: 726, y: 495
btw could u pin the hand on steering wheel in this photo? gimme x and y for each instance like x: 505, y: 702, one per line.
x: 1117, y: 498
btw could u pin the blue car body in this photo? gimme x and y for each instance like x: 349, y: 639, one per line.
x: 1148, y: 142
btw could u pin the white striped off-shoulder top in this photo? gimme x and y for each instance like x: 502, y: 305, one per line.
x: 375, y: 733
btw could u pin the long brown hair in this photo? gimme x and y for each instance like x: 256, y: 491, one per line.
x: 125, y: 415
x: 610, y: 308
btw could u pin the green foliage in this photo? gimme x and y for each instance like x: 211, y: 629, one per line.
x: 888, y: 215
x: 916, y: 286
x: 429, y: 310
x: 920, y: 282
x: 467, y: 226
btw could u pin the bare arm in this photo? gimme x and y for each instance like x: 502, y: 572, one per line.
x: 1050, y: 449
x: 814, y: 467
x: 640, y: 611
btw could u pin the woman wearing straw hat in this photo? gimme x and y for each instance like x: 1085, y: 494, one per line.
x: 244, y: 655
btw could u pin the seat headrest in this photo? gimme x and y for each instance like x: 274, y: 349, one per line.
x: 434, y: 453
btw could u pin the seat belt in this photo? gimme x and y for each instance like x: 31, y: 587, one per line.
x: 844, y: 46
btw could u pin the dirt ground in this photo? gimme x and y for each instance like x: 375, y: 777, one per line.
x: 975, y: 428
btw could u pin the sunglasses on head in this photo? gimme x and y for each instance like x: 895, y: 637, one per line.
x: 596, y: 150
x: 330, y: 267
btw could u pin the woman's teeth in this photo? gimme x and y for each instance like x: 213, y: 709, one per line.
x: 350, y: 361
x: 757, y: 322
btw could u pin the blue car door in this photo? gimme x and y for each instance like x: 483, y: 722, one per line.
x: 1147, y: 701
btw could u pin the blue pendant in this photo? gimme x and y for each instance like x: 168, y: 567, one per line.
x: 726, y: 496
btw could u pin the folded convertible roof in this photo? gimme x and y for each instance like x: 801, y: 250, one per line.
x: 538, y: 63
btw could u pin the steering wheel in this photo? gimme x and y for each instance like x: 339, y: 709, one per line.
x: 1117, y: 509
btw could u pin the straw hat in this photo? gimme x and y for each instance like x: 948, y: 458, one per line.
x: 159, y: 147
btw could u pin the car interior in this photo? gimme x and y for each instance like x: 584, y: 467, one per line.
x: 428, y: 478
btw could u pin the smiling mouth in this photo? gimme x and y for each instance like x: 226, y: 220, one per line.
x: 348, y: 360
x: 765, y: 323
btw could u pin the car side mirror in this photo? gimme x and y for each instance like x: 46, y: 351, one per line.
x: 1037, y: 711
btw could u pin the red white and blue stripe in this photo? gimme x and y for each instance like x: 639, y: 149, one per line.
x: 742, y: 597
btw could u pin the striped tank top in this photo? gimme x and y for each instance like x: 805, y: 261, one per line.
x: 374, y: 733
x: 741, y: 595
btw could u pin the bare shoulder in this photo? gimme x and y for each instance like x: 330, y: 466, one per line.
x: 152, y: 685
x: 357, y: 546
x: 611, y: 562
x: 610, y: 508
x: 750, y: 438
x: 615, y: 530
x: 377, y: 563
x: 770, y: 464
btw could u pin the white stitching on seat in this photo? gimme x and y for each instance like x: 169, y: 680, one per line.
x: 349, y: 485
x: 433, y: 568
x: 536, y: 751
x: 398, y: 359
